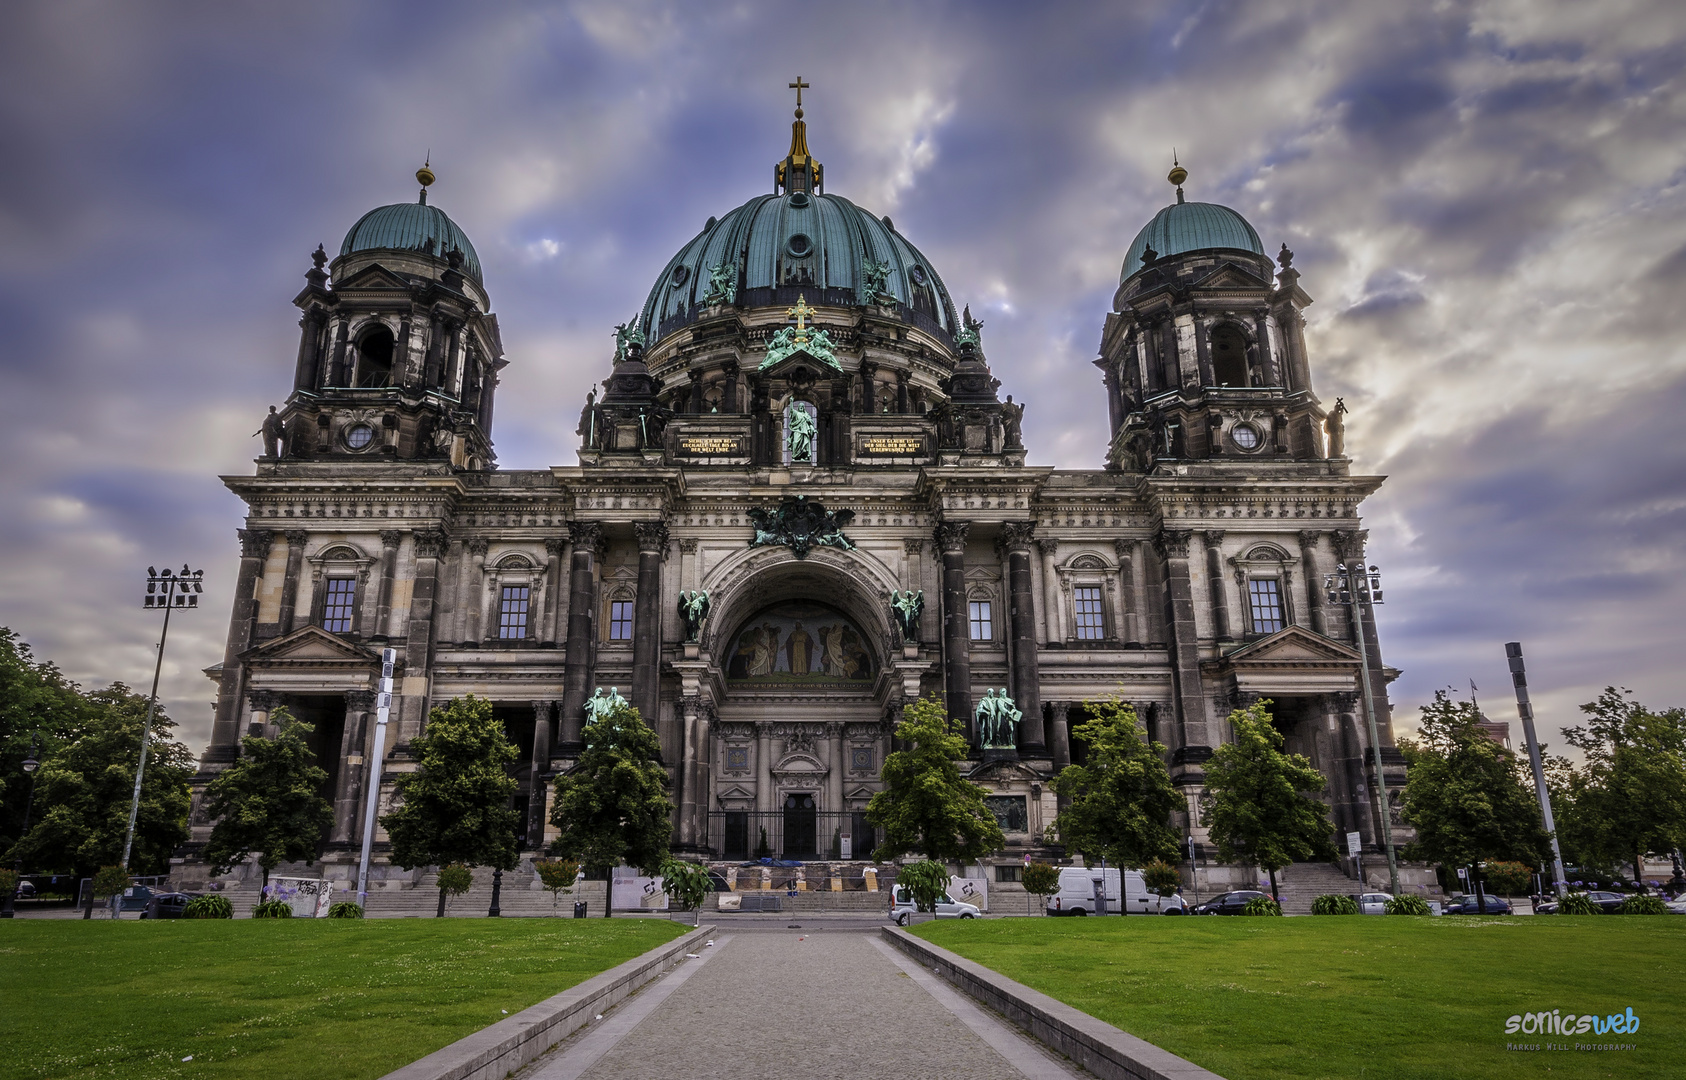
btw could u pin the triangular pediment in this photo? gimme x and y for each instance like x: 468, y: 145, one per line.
x: 736, y: 791
x: 1293, y: 644
x: 310, y: 645
x: 373, y: 276
x: 818, y: 364
x: 1231, y: 276
x: 861, y: 792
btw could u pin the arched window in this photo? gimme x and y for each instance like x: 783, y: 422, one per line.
x: 1088, y: 579
x: 1265, y: 575
x: 374, y: 358
x: 339, y: 574
x: 1229, y: 356
x: 980, y: 615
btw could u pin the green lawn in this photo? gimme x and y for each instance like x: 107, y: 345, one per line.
x: 1357, y: 997
x: 307, y: 997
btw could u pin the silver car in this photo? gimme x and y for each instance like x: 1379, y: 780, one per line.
x: 902, y: 907
x: 1373, y: 903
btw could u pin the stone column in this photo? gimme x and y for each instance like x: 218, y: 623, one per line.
x: 290, y: 584
x: 542, y: 722
x: 349, y: 788
x: 1059, y: 740
x: 687, y: 563
x: 701, y: 771
x: 902, y: 379
x: 418, y: 635
x: 1313, y: 581
x: 1215, y: 584
x: 553, y: 547
x: 647, y: 621
x: 336, y: 366
x: 306, y: 374
x: 763, y: 773
x: 390, y: 539
x: 1270, y: 374
x: 834, y: 778
x: 1130, y: 622
x: 473, y: 590
x: 686, y: 775
x: 957, y: 641
x: 1051, y: 591
x: 587, y: 540
x: 729, y: 393
x: 225, y: 730
x: 260, y: 703
x: 1027, y: 682
x: 1190, y: 729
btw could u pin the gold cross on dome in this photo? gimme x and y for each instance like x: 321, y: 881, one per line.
x: 800, y: 313
x: 800, y: 86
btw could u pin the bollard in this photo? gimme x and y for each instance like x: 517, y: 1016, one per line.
x: 579, y: 909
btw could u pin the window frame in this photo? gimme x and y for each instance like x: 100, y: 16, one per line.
x: 345, y: 612
x: 973, y: 621
x: 338, y: 559
x: 1265, y: 561
x: 505, y: 599
x: 1276, y: 594
x: 619, y: 605
x: 1088, y: 625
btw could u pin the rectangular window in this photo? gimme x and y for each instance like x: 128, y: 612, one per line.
x: 620, y: 620
x: 338, y: 606
x: 1266, y: 600
x: 983, y: 623
x: 1088, y: 601
x: 512, y: 611
x: 1007, y: 873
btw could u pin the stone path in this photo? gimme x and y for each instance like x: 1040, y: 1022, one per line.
x: 796, y: 1004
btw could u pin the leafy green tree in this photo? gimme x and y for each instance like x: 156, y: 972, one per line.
x: 612, y: 808
x: 1629, y: 798
x: 1265, y: 811
x: 454, y: 880
x: 686, y: 882
x: 269, y: 802
x: 926, y: 881
x: 455, y: 807
x: 40, y: 709
x: 83, y: 792
x: 557, y: 876
x: 1121, y: 798
x: 1469, y: 798
x: 926, y: 805
x: 1507, y: 878
x: 1040, y: 879
x: 1162, y: 878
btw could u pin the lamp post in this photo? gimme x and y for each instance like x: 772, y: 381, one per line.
x: 169, y: 591
x: 30, y: 764
x: 1358, y: 588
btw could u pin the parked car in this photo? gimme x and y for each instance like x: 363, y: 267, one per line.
x: 167, y: 905
x: 1606, y: 901
x: 1076, y: 894
x: 1469, y: 904
x: 902, y: 907
x: 1372, y: 903
x: 1677, y: 907
x: 1229, y: 903
x: 26, y: 890
x: 134, y: 898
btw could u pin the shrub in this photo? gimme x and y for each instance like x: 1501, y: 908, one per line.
x: 8, y: 881
x: 1578, y: 903
x: 345, y: 909
x: 456, y: 879
x: 1334, y: 904
x: 273, y: 909
x: 1040, y: 879
x: 208, y: 907
x: 1409, y: 905
x: 1507, y: 878
x: 927, y: 881
x: 1161, y: 877
x: 110, y: 880
x: 1640, y: 904
x: 557, y: 876
x: 1262, y: 905
x: 686, y: 882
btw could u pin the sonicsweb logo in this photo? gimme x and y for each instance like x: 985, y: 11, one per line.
x: 1555, y: 1023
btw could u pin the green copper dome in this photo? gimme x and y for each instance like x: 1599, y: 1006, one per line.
x: 794, y: 241
x: 411, y: 227
x: 1191, y: 226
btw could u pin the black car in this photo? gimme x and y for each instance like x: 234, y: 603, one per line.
x: 1229, y: 903
x: 167, y: 905
x: 1606, y: 901
x: 1468, y: 905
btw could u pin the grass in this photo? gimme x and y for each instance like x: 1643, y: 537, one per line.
x: 311, y: 997
x: 1377, y: 998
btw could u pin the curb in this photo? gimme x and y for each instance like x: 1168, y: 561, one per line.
x: 496, y: 1051
x: 1097, y: 1046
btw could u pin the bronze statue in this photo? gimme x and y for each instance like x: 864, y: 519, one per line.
x: 1335, y: 425
x: 273, y: 431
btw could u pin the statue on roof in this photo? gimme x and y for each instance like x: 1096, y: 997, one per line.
x: 875, y: 279
x: 970, y: 329
x: 722, y: 284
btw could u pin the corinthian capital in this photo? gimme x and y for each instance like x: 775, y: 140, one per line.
x: 652, y: 536
x: 254, y: 543
x: 951, y: 535
x: 1017, y: 535
x: 1172, y: 543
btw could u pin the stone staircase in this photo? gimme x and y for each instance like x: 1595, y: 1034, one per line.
x: 1302, y: 883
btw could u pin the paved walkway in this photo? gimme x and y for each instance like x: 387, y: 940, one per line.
x: 798, y: 1004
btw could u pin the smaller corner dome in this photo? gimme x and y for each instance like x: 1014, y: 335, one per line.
x: 412, y: 227
x: 1184, y: 227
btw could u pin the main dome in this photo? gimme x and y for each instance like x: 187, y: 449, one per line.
x: 798, y: 239
x: 1191, y: 226
x: 412, y: 227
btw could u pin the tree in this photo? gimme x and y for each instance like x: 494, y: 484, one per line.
x: 1467, y: 796
x: 455, y: 807
x: 454, y: 880
x: 269, y: 802
x: 612, y: 807
x: 1264, y: 810
x: 1629, y: 798
x: 1121, y: 797
x: 557, y: 876
x: 686, y: 882
x: 926, y: 881
x: 1040, y: 879
x: 39, y: 709
x: 926, y: 805
x: 84, y: 790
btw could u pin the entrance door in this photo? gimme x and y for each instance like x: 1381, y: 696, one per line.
x: 800, y: 821
x: 737, y: 835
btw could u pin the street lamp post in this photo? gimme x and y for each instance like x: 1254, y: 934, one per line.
x: 30, y: 764
x: 169, y: 591
x: 1359, y: 589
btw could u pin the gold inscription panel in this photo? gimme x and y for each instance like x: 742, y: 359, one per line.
x: 902, y: 445
x: 709, y: 444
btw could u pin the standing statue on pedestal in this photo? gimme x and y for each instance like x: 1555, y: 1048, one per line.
x: 693, y: 608
x: 801, y: 434
x: 1335, y: 425
x: 908, y: 606
x: 601, y: 706
x: 998, y: 721
x: 272, y: 432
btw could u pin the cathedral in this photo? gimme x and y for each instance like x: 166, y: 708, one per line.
x: 801, y: 501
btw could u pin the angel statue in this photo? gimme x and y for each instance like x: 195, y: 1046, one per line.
x: 908, y: 606
x: 876, y: 278
x: 722, y: 284
x: 693, y: 608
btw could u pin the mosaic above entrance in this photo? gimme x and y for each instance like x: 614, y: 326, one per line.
x: 799, y: 641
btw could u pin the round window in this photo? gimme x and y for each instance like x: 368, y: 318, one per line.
x: 799, y: 245
x: 918, y: 275
x: 359, y: 435
x: 799, y: 200
x: 681, y: 274
x: 1246, y: 436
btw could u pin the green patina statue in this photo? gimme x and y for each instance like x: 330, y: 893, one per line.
x: 908, y: 606
x: 875, y: 279
x: 997, y: 720
x: 799, y: 433
x: 800, y: 524
x: 693, y: 608
x: 970, y: 329
x: 722, y: 284
x: 627, y: 334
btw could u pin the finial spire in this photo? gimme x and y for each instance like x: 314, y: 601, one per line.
x: 798, y: 171
x: 425, y: 177
x: 1177, y: 174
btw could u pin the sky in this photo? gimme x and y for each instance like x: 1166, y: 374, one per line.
x: 1487, y: 202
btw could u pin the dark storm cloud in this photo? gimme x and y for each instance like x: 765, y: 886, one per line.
x: 1485, y: 199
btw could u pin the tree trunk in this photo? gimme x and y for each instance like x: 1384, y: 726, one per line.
x: 441, y: 913
x: 1274, y: 895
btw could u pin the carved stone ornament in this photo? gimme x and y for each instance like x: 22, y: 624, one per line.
x: 430, y: 543
x: 951, y: 535
x: 254, y: 543
x: 800, y: 525
x: 586, y: 534
x: 1017, y: 535
x: 652, y: 535
x: 1173, y: 543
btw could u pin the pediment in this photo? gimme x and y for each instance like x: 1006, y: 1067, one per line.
x: 861, y: 792
x: 374, y: 276
x: 800, y: 763
x: 1291, y: 645
x: 819, y: 364
x: 1231, y: 276
x: 1004, y: 772
x: 310, y: 645
x: 736, y: 791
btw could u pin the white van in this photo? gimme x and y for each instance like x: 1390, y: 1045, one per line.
x: 902, y: 907
x: 1077, y: 894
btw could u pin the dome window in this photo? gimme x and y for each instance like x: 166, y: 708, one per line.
x: 799, y: 200
x: 359, y: 436
x: 681, y: 274
x: 799, y: 245
x: 917, y: 275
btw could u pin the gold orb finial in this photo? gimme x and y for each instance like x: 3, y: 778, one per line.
x: 424, y: 175
x: 1177, y: 174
